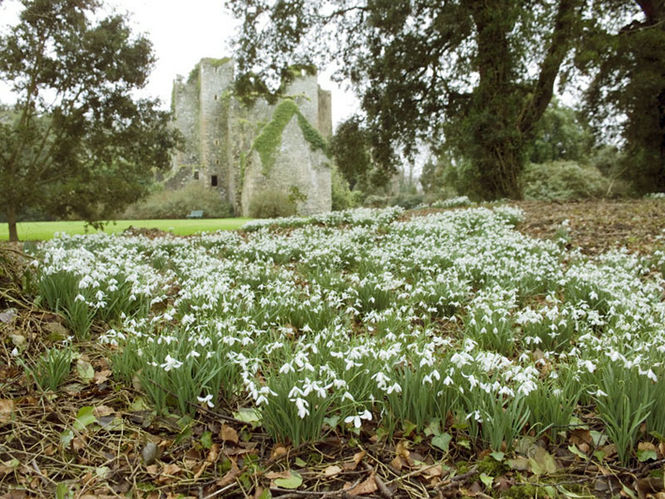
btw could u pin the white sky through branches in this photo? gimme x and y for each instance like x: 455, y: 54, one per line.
x: 182, y: 33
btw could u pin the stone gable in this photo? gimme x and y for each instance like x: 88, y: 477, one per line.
x: 243, y: 151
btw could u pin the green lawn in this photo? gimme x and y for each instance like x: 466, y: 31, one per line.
x: 39, y: 231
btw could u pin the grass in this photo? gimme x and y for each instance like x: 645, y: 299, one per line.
x: 40, y: 231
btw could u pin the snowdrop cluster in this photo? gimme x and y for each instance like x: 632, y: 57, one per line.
x: 359, y: 318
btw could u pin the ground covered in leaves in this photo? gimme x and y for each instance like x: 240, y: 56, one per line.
x: 98, y: 437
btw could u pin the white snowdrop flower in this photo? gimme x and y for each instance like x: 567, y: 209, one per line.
x: 598, y: 393
x: 357, y: 419
x: 295, y: 392
x: 506, y: 391
x: 526, y: 387
x: 339, y: 384
x: 193, y: 353
x: 476, y: 416
x: 614, y: 355
x: 395, y: 387
x: 590, y: 366
x: 302, y: 406
x: 381, y: 379
x: 448, y: 381
x: 650, y: 374
x: 348, y: 396
x: 206, y: 400
x: 473, y: 382
x: 286, y: 368
x: 170, y: 363
x: 80, y: 297
x: 15, y: 352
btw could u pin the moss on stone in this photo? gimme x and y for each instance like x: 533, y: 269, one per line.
x: 270, y: 138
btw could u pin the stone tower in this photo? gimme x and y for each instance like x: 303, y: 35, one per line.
x: 245, y: 151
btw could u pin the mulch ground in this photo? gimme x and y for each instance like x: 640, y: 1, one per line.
x: 598, y: 226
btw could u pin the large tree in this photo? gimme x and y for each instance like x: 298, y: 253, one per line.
x: 624, y: 52
x: 484, y: 68
x: 76, y: 141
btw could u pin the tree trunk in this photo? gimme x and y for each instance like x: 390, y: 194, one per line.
x: 11, y: 221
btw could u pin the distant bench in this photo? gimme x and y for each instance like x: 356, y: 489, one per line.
x: 196, y: 214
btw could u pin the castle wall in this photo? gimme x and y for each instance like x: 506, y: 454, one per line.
x: 324, y: 120
x: 220, y: 132
x: 186, y: 115
x: 215, y: 78
x: 297, y: 166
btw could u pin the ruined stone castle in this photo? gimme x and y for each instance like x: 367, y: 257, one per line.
x: 244, y: 151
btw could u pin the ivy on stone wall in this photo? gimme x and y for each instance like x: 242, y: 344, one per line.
x: 270, y: 137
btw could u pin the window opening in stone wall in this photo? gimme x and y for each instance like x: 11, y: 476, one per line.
x: 196, y: 174
x: 215, y: 97
x: 213, y: 180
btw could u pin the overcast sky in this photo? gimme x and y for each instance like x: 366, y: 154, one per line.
x: 183, y: 32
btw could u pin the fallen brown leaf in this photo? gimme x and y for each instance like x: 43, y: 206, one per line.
x: 228, y: 434
x: 230, y: 476
x: 213, y: 454
x: 273, y: 475
x: 367, y: 487
x: 278, y: 451
x: 398, y: 463
x: 203, y: 467
x: 101, y: 376
x: 6, y: 410
x: 103, y: 411
x: 332, y: 471
x: 357, y: 457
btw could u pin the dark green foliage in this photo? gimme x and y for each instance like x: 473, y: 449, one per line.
x: 350, y: 148
x: 271, y: 204
x: 179, y: 203
x: 563, y: 180
x: 419, y: 64
x: 342, y: 197
x: 560, y: 135
x: 626, y: 58
x: 76, y: 143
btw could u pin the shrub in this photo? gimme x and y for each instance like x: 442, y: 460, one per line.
x: 179, y: 203
x: 272, y: 204
x: 375, y: 201
x: 563, y: 180
x: 407, y: 200
x: 342, y: 197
